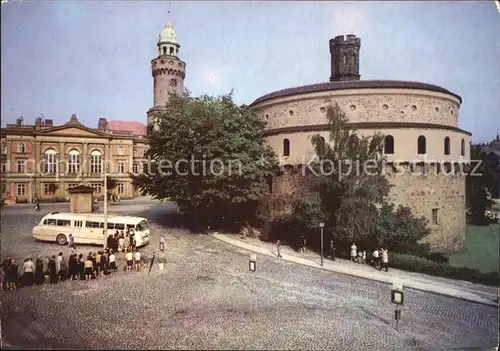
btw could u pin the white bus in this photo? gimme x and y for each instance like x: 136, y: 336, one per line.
x: 88, y: 228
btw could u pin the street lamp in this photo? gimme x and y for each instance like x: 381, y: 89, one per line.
x: 105, y: 229
x: 321, y: 226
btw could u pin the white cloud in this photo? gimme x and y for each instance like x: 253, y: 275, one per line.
x: 346, y: 17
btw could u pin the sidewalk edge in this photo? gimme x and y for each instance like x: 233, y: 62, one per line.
x: 253, y: 248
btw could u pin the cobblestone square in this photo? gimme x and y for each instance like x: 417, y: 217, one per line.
x: 207, y: 299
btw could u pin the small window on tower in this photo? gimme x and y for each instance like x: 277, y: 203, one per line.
x: 164, y: 50
x: 171, y: 50
x: 173, y: 82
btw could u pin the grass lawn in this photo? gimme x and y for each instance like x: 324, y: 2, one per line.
x: 480, y: 249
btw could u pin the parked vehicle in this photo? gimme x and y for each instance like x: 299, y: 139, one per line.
x: 88, y: 228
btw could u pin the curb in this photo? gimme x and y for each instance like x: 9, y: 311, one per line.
x: 461, y: 294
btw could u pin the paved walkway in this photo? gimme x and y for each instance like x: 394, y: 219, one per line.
x: 454, y: 288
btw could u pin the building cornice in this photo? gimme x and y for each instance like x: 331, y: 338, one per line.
x: 364, y: 125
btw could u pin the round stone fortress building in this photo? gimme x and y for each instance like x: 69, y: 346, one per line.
x: 423, y: 145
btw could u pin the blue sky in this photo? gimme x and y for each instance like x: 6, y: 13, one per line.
x: 93, y: 58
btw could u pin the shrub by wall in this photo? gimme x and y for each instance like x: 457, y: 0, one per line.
x: 422, y: 265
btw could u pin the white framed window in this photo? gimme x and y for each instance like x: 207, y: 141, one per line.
x: 21, y: 148
x: 72, y: 185
x: 21, y: 189
x: 95, y: 162
x: 74, y: 161
x: 121, y: 167
x: 48, y: 189
x: 120, y: 187
x: 50, y: 161
x: 21, y: 166
x: 135, y: 168
x: 97, y: 187
x: 120, y: 150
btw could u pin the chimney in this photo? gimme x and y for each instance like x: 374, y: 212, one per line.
x: 102, y: 124
x: 38, y: 123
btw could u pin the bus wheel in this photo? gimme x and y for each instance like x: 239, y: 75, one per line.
x: 61, y: 239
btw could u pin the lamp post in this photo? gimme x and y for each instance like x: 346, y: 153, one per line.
x: 321, y: 226
x: 105, y: 229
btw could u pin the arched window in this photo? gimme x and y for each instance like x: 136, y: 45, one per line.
x: 462, y: 147
x: 353, y: 59
x: 21, y: 148
x: 74, y: 161
x: 171, y: 51
x: 120, y: 150
x: 345, y: 59
x: 50, y: 156
x: 95, y: 162
x: 135, y: 168
x: 447, y: 146
x: 164, y: 50
x: 389, y: 145
x: 286, y: 147
x: 421, y: 145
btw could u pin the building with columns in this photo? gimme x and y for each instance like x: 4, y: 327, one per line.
x: 43, y: 161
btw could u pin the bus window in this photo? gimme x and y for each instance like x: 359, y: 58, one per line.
x: 63, y: 222
x: 50, y: 221
x: 143, y: 225
x: 78, y: 224
x: 119, y: 226
x: 111, y: 226
x: 130, y: 226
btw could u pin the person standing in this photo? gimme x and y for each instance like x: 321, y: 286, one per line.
x: 332, y: 250
x: 112, y: 261
x: 73, y: 267
x: 121, y: 243
x: 137, y: 259
x: 278, y: 248
x: 12, y: 275
x: 354, y: 250
x: 71, y: 241
x: 130, y: 260
x: 58, y: 262
x: 39, y: 275
x: 63, y: 269
x: 81, y: 266
x: 53, y: 270
x: 28, y: 272
x: 88, y: 265
x: 126, y: 243
x: 376, y: 259
x: 385, y: 259
x: 3, y: 273
x: 133, y: 243
x: 304, y: 243
x: 162, y: 243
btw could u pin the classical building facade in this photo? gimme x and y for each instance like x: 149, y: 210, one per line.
x: 422, y: 136
x: 43, y: 161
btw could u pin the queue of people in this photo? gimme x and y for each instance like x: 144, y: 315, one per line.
x: 59, y: 268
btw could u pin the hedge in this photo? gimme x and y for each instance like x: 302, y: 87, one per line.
x: 421, y: 265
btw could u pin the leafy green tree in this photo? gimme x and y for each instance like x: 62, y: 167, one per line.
x: 348, y: 192
x: 478, y: 185
x: 209, y: 158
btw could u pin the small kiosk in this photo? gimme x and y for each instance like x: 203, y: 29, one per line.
x: 81, y: 199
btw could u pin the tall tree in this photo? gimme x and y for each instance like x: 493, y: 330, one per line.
x: 208, y: 157
x: 349, y: 192
x: 478, y: 183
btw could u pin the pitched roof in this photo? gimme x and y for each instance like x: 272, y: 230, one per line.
x: 355, y: 84
x: 136, y: 128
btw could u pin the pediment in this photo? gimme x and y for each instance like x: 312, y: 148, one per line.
x: 72, y: 130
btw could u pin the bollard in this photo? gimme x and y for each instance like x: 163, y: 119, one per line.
x: 397, y: 297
